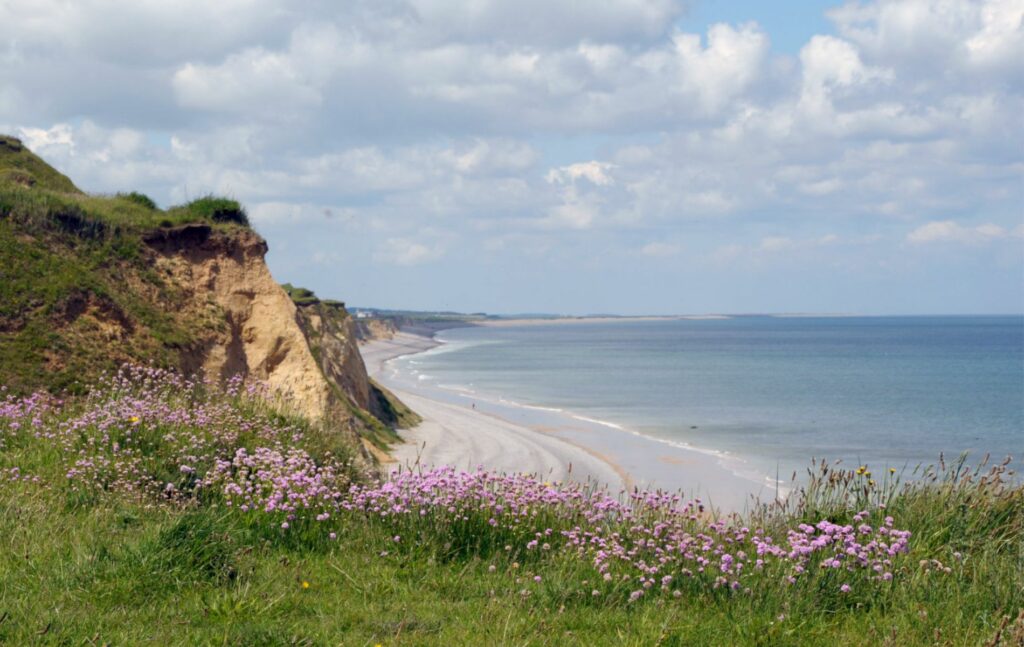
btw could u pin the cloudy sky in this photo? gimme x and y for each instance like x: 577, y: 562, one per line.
x: 627, y: 156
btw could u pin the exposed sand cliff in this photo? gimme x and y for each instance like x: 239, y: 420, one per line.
x: 89, y: 283
x: 261, y: 336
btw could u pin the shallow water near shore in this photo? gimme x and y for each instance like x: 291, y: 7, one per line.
x: 762, y: 395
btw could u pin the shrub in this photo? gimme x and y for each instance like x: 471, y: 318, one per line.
x: 301, y: 296
x: 140, y: 199
x: 214, y: 209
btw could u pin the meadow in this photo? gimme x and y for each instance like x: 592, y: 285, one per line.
x: 163, y: 510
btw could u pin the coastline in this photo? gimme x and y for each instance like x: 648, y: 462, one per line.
x: 466, y: 431
x: 465, y: 438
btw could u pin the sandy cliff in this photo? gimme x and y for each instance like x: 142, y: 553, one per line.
x: 260, y: 335
x: 88, y: 283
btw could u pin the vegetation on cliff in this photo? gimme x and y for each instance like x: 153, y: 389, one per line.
x: 78, y: 294
x: 332, y: 335
x: 160, y: 510
x: 88, y: 283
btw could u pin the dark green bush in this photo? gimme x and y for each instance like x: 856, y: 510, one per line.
x: 140, y: 199
x: 213, y: 209
x: 301, y: 296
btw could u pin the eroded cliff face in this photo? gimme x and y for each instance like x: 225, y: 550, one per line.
x: 258, y: 330
x: 333, y: 337
x: 374, y: 328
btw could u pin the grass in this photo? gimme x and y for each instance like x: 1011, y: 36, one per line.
x: 19, y: 165
x: 301, y: 296
x: 126, y: 565
x: 77, y: 292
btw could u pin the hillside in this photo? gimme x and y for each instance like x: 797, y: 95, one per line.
x: 88, y: 283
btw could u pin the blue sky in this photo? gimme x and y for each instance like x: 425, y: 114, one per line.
x: 628, y: 156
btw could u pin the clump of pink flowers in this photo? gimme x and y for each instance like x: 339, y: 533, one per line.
x: 647, y: 542
x: 150, y: 433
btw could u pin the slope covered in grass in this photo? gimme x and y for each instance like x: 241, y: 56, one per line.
x: 163, y: 511
x: 20, y: 166
x: 78, y: 295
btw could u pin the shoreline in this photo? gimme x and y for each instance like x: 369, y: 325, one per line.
x: 465, y: 438
x: 466, y: 430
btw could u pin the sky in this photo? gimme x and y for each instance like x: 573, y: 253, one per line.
x: 560, y: 156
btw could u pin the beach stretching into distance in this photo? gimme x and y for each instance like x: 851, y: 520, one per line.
x: 468, y: 433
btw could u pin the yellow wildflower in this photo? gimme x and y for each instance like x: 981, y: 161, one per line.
x: 133, y: 419
x: 305, y: 584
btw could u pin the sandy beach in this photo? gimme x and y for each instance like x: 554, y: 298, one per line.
x: 467, y: 433
x: 464, y: 438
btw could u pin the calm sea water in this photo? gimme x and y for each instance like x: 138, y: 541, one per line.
x: 888, y: 391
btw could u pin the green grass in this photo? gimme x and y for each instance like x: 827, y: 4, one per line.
x: 129, y: 574
x: 21, y: 166
x: 301, y: 296
x: 48, y: 281
x: 120, y: 570
x: 64, y: 253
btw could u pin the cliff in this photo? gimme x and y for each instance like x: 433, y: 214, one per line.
x: 88, y: 283
x: 331, y: 334
x: 372, y: 328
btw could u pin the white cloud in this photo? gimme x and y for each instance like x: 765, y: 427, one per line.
x: 542, y: 22
x: 830, y: 62
x: 44, y: 139
x: 547, y: 124
x: 720, y: 72
x: 950, y: 231
x: 403, y: 251
x: 595, y: 172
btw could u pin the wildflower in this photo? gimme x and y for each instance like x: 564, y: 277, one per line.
x: 845, y: 588
x: 305, y: 584
x: 133, y: 419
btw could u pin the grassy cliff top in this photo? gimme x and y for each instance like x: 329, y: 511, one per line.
x: 306, y: 297
x: 78, y: 294
x: 21, y: 166
x: 39, y: 196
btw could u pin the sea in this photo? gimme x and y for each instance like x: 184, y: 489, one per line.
x: 772, y: 392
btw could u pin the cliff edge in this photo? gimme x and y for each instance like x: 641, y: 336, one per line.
x: 90, y: 282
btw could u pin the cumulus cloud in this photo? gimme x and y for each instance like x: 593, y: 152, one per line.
x: 546, y: 126
x: 403, y: 251
x: 595, y: 172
